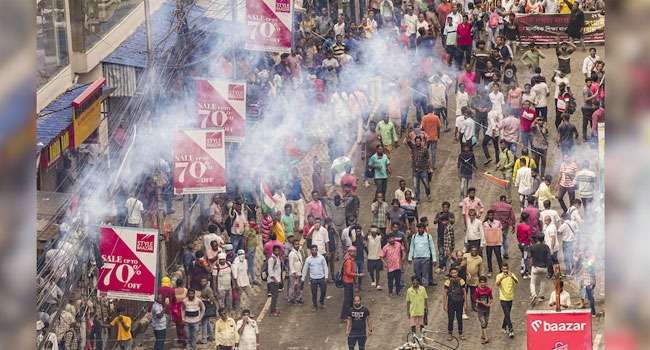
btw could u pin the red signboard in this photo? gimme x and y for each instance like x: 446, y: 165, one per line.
x: 549, y: 28
x: 129, y: 257
x: 222, y: 104
x: 566, y: 330
x: 200, y: 161
x: 269, y: 24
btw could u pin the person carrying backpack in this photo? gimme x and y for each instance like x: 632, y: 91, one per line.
x: 454, y: 302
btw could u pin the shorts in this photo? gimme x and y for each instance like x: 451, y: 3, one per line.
x: 375, y: 265
x: 416, y: 321
x: 483, y: 316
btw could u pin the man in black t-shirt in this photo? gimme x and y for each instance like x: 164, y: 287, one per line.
x: 358, y: 324
x: 567, y: 134
x: 540, y: 256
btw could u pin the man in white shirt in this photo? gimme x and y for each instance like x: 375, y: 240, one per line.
x: 410, y: 21
x: 464, y: 126
x: 540, y: 94
x: 474, y: 234
x: 374, y: 256
x: 295, y: 274
x: 462, y: 99
x: 567, y: 232
x: 550, y: 236
x: 242, y: 281
x: 552, y: 213
x: 134, y: 209
x: 559, y: 78
x: 585, y: 184
x: 437, y: 94
x: 456, y: 15
x: 319, y: 237
x: 211, y: 236
x: 565, y: 298
x: 524, y: 181
x: 274, y: 278
x: 339, y: 27
x: 589, y: 62
x: 550, y: 6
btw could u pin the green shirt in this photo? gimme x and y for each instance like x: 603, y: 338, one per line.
x: 531, y: 58
x: 417, y: 299
x: 380, y: 165
x: 251, y: 238
x: 387, y: 132
x: 288, y: 223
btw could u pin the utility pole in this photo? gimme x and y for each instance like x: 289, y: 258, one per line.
x: 233, y: 18
x: 162, y: 242
x: 147, y: 23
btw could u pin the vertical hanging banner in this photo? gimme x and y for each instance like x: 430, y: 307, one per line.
x: 269, y: 24
x: 129, y: 267
x: 200, y: 161
x: 566, y: 330
x: 222, y: 104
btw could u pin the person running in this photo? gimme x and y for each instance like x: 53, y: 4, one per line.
x: 392, y: 255
x: 483, y: 297
x: 454, y: 302
x: 358, y: 327
x: 416, y: 305
x: 524, y: 236
x: 315, y: 268
x: 420, y: 166
x: 567, y: 180
x: 506, y: 282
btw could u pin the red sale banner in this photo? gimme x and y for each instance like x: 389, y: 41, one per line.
x: 200, y: 161
x: 222, y: 104
x: 269, y: 24
x: 566, y: 330
x: 130, y: 256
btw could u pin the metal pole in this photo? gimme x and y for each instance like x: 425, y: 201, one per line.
x: 233, y: 17
x: 148, y: 26
x: 162, y: 246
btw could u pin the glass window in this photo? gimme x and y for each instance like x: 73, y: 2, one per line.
x: 92, y: 19
x: 51, y: 39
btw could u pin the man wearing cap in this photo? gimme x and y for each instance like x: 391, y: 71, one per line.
x: 240, y: 274
x: 222, y: 280
x: 350, y: 273
x: 421, y: 253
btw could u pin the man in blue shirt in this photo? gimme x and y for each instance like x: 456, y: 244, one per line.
x: 294, y: 197
x: 421, y: 254
x: 316, y: 267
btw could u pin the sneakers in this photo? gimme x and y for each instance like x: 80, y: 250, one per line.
x: 465, y: 317
x: 489, y: 274
x: 366, y: 184
x: 511, y: 334
x: 488, y: 161
x: 504, y: 331
x: 526, y: 277
x: 373, y: 284
x: 379, y: 287
x: 506, y: 257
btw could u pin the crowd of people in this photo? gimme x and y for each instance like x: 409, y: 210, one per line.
x: 319, y: 239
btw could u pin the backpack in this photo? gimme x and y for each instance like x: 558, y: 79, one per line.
x: 455, y: 292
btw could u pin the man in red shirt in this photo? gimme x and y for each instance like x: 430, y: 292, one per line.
x: 349, y: 275
x: 443, y: 10
x: 431, y: 127
x: 464, y: 38
x: 504, y: 213
x: 528, y: 115
x: 524, y: 234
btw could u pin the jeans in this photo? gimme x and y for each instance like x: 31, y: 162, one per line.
x: 562, y: 192
x: 394, y: 279
x: 525, y: 265
x: 504, y: 244
x: 589, y: 293
x: 294, y: 289
x: 381, y: 185
x: 237, y: 242
x: 225, y: 298
x: 421, y: 269
x: 433, y: 149
x: 420, y: 107
x: 539, y: 155
x: 488, y: 254
x: 250, y: 260
x: 192, y: 329
x: 506, y: 306
x: 315, y: 285
x: 525, y: 139
x: 465, y: 52
x: 537, y: 277
x: 273, y: 288
x: 421, y: 176
x: 495, y: 142
x: 348, y: 295
x: 454, y: 310
x: 159, y: 335
x: 464, y: 185
x: 470, y: 292
x: 442, y: 113
x: 357, y: 339
x: 207, y: 334
x: 567, y: 252
x: 586, y: 121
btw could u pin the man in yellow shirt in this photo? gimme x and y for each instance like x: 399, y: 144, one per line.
x: 123, y: 324
x: 506, y: 282
x: 565, y: 6
x: 225, y: 331
x: 416, y: 304
x: 530, y: 162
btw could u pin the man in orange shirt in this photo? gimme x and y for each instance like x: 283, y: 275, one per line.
x: 349, y: 275
x: 431, y: 127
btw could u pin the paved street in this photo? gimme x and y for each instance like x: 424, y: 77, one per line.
x: 322, y: 330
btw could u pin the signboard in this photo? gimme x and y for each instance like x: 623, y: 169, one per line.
x: 130, y: 263
x: 549, y: 28
x: 55, y: 149
x: 87, y: 108
x: 566, y: 330
x: 268, y: 25
x: 200, y: 161
x: 222, y: 104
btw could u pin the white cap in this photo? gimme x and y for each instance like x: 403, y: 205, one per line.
x: 221, y: 256
x: 39, y: 325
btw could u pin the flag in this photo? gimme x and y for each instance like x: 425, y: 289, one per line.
x: 495, y: 180
x: 266, y: 196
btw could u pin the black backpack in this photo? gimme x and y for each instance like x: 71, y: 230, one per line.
x: 455, y: 292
